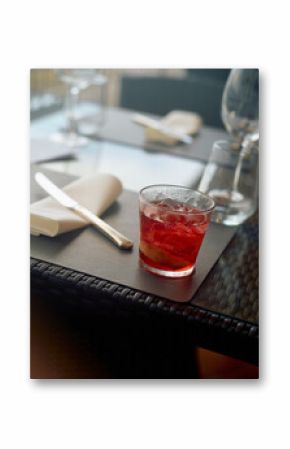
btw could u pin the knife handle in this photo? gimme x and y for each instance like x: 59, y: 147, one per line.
x: 115, y: 236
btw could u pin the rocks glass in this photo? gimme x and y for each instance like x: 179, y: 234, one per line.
x: 173, y: 223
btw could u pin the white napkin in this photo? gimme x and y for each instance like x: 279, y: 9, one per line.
x: 183, y: 122
x: 97, y: 193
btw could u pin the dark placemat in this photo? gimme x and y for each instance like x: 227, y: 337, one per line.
x: 119, y: 127
x: 89, y: 252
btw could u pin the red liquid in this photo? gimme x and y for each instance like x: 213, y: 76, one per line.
x: 170, y: 241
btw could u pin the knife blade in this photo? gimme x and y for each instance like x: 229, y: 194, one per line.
x: 65, y: 200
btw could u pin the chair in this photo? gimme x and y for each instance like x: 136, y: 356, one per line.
x: 201, y: 92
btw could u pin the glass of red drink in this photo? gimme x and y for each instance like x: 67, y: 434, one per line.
x: 173, y: 223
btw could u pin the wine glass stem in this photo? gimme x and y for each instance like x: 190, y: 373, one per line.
x: 71, y: 105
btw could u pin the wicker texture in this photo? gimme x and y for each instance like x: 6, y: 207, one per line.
x: 232, y: 287
x: 222, y: 316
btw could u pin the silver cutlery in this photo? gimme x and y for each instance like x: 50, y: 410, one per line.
x: 59, y: 195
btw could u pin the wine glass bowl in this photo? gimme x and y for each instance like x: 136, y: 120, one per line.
x: 76, y: 80
x: 231, y: 175
x: 240, y: 104
x: 79, y: 78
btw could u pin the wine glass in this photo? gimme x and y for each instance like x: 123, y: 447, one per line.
x: 240, y: 104
x: 240, y: 114
x: 230, y: 176
x: 76, y: 81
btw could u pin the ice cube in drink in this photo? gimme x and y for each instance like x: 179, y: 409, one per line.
x: 171, y: 233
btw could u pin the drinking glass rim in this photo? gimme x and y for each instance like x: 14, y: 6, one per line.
x: 199, y: 212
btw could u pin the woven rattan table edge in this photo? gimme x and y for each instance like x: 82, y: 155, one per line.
x: 66, y: 279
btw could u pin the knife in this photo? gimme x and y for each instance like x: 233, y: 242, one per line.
x: 155, y: 124
x: 65, y: 200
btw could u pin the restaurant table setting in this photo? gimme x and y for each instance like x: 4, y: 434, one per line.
x: 72, y: 258
x: 120, y: 126
x: 88, y: 251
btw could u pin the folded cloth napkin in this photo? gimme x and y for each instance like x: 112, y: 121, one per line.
x: 97, y: 193
x: 183, y: 122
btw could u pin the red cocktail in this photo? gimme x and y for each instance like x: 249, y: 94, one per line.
x: 173, y: 222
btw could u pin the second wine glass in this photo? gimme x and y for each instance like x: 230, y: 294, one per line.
x: 76, y: 81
